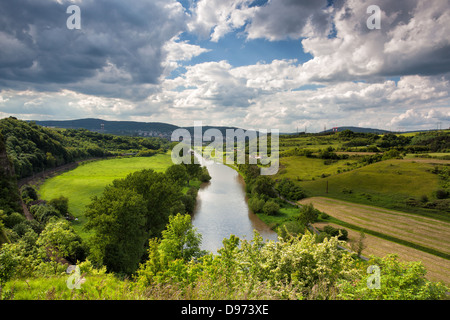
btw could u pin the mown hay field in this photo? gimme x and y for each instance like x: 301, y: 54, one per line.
x: 424, y: 231
x: 438, y: 269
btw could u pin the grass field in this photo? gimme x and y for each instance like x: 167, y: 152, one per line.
x: 304, y: 168
x: 386, y: 184
x: 89, y: 179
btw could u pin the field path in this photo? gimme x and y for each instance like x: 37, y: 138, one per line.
x: 413, y: 228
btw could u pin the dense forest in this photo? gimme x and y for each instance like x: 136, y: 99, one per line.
x: 32, y: 148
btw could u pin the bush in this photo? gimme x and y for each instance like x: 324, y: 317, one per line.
x: 256, y: 204
x: 28, y: 192
x: 204, y: 175
x: 271, y: 208
x: 290, y: 190
x: 342, y: 234
x: 61, y: 204
x: 13, y: 219
x: 441, y: 194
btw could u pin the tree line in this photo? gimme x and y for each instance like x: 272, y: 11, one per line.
x: 32, y: 148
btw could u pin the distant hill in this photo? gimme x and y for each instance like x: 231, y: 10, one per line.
x: 127, y: 128
x: 357, y: 130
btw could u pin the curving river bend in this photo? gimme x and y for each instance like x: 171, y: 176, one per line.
x: 222, y: 209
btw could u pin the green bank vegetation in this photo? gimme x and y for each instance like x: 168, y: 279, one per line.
x: 134, y: 238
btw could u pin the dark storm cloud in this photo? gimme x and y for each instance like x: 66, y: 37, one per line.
x: 37, y: 48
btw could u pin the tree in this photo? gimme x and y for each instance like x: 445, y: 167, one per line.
x: 256, y: 204
x: 290, y: 190
x: 360, y: 245
x: 263, y: 185
x: 118, y: 219
x: 178, y: 173
x: 180, y: 239
x: 61, y: 204
x: 162, y: 196
x: 8, y: 263
x: 204, y: 175
x: 29, y: 192
x: 308, y: 214
x: 60, y: 241
x: 271, y: 208
x: 193, y: 169
x: 43, y: 212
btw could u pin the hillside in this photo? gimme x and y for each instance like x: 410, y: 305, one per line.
x: 32, y: 148
x: 356, y: 130
x: 126, y: 128
x: 9, y: 197
x: 133, y: 128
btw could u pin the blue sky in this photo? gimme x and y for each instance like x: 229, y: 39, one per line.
x: 254, y: 64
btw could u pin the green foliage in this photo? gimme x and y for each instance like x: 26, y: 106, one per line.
x: 204, y: 175
x: 398, y: 281
x: 28, y: 192
x: 61, y: 204
x: 13, y: 219
x: 291, y: 269
x: 132, y: 210
x: 60, y: 241
x: 271, y: 208
x: 32, y: 148
x: 118, y: 219
x: 308, y: 214
x: 289, y: 190
x: 178, y: 173
x: 256, y: 204
x: 8, y: 264
x: 44, y: 212
x: 180, y: 240
x: 331, y: 231
x: 263, y: 185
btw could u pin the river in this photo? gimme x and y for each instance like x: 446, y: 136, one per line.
x: 222, y: 209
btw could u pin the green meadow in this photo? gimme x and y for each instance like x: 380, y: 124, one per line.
x: 90, y: 178
x: 387, y: 184
x: 304, y: 168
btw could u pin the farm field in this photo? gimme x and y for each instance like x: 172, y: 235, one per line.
x: 387, y: 184
x: 89, y: 179
x: 423, y: 231
x: 438, y: 269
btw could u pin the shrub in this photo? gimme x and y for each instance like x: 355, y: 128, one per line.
x: 61, y: 204
x: 342, y: 234
x: 290, y: 190
x: 271, y: 208
x: 256, y: 204
x: 424, y: 198
x: 28, y: 192
x: 398, y: 280
x: 441, y: 194
x: 14, y: 219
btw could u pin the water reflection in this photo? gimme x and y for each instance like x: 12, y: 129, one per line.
x: 222, y: 209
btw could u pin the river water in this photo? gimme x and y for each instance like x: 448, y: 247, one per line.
x: 222, y: 209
